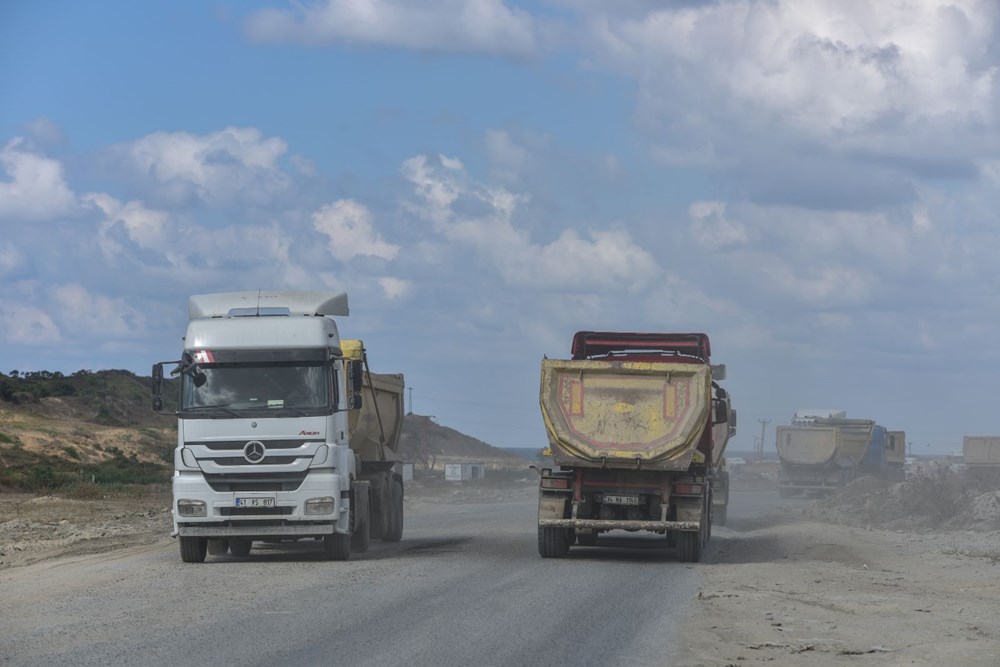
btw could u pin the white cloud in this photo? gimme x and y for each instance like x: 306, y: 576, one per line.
x: 395, y: 288
x: 11, y: 258
x: 37, y: 189
x: 44, y: 130
x: 351, y: 232
x: 234, y: 164
x: 605, y: 261
x: 26, y: 325
x: 461, y: 26
x: 145, y: 227
x: 86, y: 313
x: 508, y: 157
x: 853, y: 75
x: 712, y: 229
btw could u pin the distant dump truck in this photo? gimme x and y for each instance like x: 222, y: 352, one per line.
x: 981, y: 450
x: 283, y: 433
x: 638, y: 425
x: 826, y: 453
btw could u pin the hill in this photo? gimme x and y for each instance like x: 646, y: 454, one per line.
x: 431, y: 446
x: 56, y: 429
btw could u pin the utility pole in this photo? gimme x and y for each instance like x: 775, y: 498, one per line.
x: 760, y: 444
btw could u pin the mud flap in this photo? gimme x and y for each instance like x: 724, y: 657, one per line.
x: 552, y: 505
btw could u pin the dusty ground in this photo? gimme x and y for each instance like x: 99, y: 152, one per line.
x: 794, y: 586
x: 786, y: 590
x: 35, y: 528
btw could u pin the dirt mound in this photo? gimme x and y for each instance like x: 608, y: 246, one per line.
x: 943, y: 500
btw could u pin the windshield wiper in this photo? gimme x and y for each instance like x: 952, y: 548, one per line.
x: 221, y: 406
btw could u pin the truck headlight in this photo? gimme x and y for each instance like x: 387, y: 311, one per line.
x: 324, y: 505
x: 187, y: 507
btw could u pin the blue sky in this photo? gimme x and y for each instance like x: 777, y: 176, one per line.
x: 811, y: 182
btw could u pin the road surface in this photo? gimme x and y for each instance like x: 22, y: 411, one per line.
x: 465, y: 586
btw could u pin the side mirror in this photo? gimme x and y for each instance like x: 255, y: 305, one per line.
x: 198, y: 377
x: 719, y: 372
x: 732, y: 422
x: 721, y: 411
x: 355, y: 379
x: 158, y: 387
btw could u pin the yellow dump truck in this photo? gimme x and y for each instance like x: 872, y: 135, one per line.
x: 637, y: 424
x: 823, y: 455
x: 374, y: 431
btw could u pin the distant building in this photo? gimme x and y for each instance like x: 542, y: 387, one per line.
x: 460, y: 472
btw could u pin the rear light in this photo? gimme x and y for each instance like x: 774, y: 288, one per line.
x: 554, y: 483
x: 689, y: 489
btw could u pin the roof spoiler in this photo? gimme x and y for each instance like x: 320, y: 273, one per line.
x: 262, y: 302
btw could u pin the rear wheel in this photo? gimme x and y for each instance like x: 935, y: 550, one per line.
x: 395, y: 531
x: 553, y: 542
x: 689, y: 546
x: 240, y: 547
x: 193, y: 549
x: 587, y: 539
x: 720, y: 515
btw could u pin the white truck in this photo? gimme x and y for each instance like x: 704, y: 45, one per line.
x: 283, y: 433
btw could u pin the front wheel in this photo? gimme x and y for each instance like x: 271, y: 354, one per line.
x: 337, y: 546
x: 193, y: 549
x: 553, y: 542
x: 240, y: 548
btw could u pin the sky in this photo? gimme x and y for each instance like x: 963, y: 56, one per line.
x: 812, y: 183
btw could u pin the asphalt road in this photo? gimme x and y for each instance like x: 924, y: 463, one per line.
x: 465, y: 586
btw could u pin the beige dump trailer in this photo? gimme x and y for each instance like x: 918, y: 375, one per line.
x: 981, y: 450
x: 822, y: 456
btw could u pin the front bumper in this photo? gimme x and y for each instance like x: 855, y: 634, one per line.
x: 612, y: 524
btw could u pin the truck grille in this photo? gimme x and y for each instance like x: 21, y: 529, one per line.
x: 224, y: 482
x: 240, y: 461
x: 239, y: 444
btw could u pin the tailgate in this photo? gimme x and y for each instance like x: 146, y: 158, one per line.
x: 623, y: 411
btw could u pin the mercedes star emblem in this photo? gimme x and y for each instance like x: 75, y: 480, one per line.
x: 253, y: 451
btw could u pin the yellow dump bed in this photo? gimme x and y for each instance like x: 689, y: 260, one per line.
x: 625, y: 413
x: 374, y: 433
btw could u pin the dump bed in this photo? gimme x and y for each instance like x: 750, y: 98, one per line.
x: 981, y: 450
x: 650, y: 414
x: 375, y: 428
x: 840, y: 442
x: 807, y: 445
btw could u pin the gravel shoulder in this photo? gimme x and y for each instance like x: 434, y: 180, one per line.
x: 785, y: 590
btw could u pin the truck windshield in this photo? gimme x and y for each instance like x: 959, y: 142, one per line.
x: 231, y: 389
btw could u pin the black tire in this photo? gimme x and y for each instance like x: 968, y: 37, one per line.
x: 361, y: 535
x: 337, y: 546
x: 721, y: 513
x: 193, y: 549
x: 586, y: 539
x: 240, y: 547
x: 218, y: 547
x: 552, y: 542
x: 689, y: 546
x: 395, y: 531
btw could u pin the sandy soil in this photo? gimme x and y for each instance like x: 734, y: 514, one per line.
x: 786, y: 591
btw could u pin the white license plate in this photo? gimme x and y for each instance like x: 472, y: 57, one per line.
x: 620, y: 500
x: 255, y: 502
